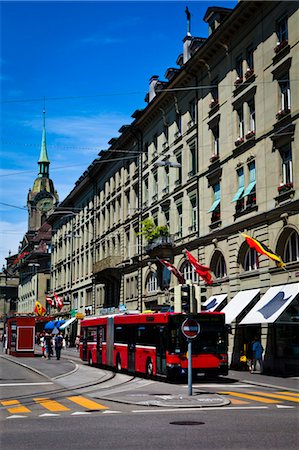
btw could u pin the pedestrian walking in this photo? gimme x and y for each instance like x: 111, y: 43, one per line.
x: 48, y: 345
x: 257, y: 355
x: 58, y: 344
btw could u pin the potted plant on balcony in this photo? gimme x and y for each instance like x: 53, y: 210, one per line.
x: 281, y: 45
x: 239, y: 80
x: 282, y: 112
x: 285, y: 187
x: 239, y: 141
x: 248, y: 73
x: 250, y: 134
x: 157, y: 236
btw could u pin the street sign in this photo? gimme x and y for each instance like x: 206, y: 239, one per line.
x: 190, y: 328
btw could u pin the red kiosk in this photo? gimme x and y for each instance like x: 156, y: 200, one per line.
x: 20, y: 336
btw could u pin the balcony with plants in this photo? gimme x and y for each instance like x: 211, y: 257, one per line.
x: 158, y: 240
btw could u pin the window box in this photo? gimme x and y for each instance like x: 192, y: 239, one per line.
x: 281, y: 45
x: 282, y: 113
x: 239, y: 141
x: 248, y: 73
x: 285, y: 187
x: 250, y: 134
x: 214, y: 103
x: 238, y: 81
x: 214, y: 158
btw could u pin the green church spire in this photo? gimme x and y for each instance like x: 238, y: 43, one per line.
x: 43, y: 158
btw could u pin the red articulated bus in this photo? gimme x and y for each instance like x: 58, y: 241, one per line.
x: 153, y: 344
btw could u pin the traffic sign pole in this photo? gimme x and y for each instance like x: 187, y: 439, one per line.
x: 189, y: 366
x: 190, y: 329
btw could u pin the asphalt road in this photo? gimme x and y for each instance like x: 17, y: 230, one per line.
x: 62, y: 416
x: 206, y: 429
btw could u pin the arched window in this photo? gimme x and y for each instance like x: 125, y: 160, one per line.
x: 189, y: 272
x: 166, y: 274
x: 291, y: 250
x: 152, y: 282
x: 251, y: 260
x: 219, y: 266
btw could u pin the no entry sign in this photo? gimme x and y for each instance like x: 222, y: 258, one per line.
x: 190, y: 328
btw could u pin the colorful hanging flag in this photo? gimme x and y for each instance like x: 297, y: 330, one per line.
x: 19, y: 257
x: 263, y: 250
x: 50, y: 300
x: 58, y: 300
x: 203, y: 271
x: 173, y: 270
x: 39, y: 309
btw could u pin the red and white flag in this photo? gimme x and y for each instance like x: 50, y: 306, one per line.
x: 50, y: 300
x: 58, y: 300
x: 203, y: 271
x: 173, y: 270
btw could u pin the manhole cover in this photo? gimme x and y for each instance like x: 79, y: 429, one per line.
x: 187, y: 422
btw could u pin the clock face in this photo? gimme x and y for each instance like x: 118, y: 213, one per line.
x: 45, y: 204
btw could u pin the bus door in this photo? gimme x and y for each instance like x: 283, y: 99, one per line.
x: 131, y: 349
x: 161, y: 345
x: 100, y: 338
x: 84, y: 345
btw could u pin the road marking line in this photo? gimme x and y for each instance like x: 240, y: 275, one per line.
x: 25, y: 384
x: 285, y: 406
x: 112, y: 412
x: 80, y: 413
x: 16, y: 417
x: 213, y: 408
x: 235, y: 401
x: 50, y: 405
x: 289, y: 393
x: 86, y: 403
x: 279, y: 396
x: 17, y: 409
x: 48, y: 415
x: 249, y: 397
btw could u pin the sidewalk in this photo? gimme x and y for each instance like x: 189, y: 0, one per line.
x: 71, y: 373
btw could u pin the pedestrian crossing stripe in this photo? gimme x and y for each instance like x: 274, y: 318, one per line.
x: 279, y: 396
x: 289, y: 393
x: 16, y: 409
x: 51, y: 405
x: 249, y: 397
x: 87, y: 403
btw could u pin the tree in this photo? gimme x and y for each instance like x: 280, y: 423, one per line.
x: 151, y: 232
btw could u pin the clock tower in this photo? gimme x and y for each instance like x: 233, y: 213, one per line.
x: 42, y: 198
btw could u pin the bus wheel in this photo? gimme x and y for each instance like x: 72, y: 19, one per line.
x: 90, y: 360
x: 118, y: 363
x: 149, y: 368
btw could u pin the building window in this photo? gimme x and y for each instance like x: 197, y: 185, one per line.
x: 179, y: 219
x: 285, y: 96
x: 215, y: 208
x: 178, y: 121
x: 166, y: 131
x: 220, y: 266
x: 145, y: 192
x: 291, y: 251
x: 166, y: 275
x: 166, y: 178
x: 155, y: 144
x: 240, y: 116
x: 282, y: 30
x: 287, y: 164
x: 238, y: 197
x: 239, y: 70
x: 250, y: 192
x: 215, y: 138
x: 193, y: 113
x: 189, y: 272
x: 155, y: 185
x: 214, y: 93
x: 251, y: 116
x: 193, y: 160
x: 249, y: 59
x: 145, y: 153
x: 193, y: 203
x: 152, y: 282
x: 251, y: 261
x: 178, y: 181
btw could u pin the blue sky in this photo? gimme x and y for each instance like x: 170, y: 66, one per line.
x: 92, y: 62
